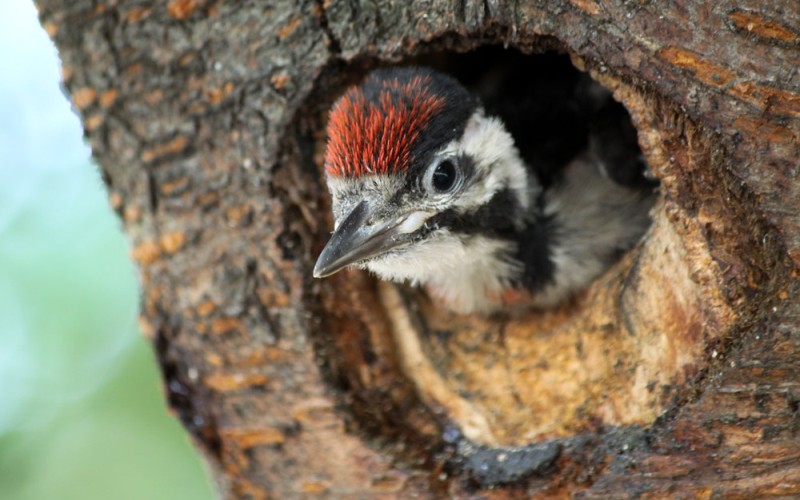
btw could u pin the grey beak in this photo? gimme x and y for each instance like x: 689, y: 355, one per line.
x: 354, y: 241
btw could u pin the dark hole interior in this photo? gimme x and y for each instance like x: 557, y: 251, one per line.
x: 553, y: 110
x: 554, y: 113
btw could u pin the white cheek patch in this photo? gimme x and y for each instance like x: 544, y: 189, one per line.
x: 414, y: 221
x: 464, y: 273
x: 486, y: 140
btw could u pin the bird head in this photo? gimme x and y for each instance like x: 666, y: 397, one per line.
x: 418, y: 176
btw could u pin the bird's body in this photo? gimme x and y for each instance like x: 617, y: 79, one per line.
x: 428, y: 188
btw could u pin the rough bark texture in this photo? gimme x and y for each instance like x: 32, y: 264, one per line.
x: 676, y: 374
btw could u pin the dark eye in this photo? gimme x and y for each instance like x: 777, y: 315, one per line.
x: 444, y: 177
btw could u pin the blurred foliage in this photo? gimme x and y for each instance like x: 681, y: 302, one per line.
x: 82, y: 415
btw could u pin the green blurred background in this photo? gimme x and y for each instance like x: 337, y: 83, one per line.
x: 82, y: 414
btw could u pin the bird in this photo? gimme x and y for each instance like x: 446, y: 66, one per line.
x: 429, y: 187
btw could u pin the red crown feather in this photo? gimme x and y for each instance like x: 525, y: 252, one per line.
x: 375, y: 136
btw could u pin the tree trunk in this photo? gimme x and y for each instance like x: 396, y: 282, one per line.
x: 677, y: 373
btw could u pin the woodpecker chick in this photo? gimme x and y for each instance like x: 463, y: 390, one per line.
x: 427, y: 188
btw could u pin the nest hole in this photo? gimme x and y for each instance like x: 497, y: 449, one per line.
x: 615, y: 356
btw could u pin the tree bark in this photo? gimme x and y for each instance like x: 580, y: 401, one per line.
x: 676, y: 374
